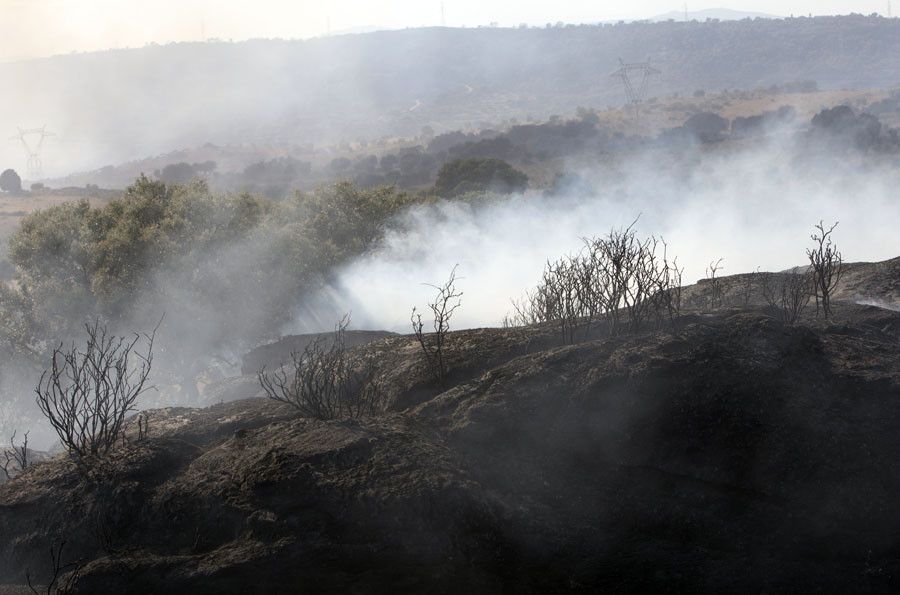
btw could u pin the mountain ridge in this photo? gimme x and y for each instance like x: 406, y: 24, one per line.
x: 723, y: 14
x: 361, y: 87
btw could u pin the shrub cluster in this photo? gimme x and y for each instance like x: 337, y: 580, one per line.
x: 434, y: 345
x: 787, y: 294
x: 229, y: 267
x: 324, y: 381
x: 479, y: 175
x: 88, y: 393
x: 620, y: 278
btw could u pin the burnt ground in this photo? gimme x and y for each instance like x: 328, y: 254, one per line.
x: 727, y: 453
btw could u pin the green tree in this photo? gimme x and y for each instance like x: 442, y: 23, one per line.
x: 10, y: 182
x: 52, y: 253
x: 226, y: 269
x: 230, y: 267
x: 479, y: 175
x: 178, y: 173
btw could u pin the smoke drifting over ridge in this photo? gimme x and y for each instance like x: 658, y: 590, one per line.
x: 752, y: 203
x: 115, y: 106
x: 753, y: 206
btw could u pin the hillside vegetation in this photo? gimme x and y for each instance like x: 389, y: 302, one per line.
x: 394, y: 83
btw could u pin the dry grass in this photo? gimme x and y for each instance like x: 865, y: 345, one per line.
x: 14, y: 208
x: 670, y: 112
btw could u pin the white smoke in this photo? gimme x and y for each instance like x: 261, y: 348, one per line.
x: 753, y: 206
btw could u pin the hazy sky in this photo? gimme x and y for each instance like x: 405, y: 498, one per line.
x: 30, y: 28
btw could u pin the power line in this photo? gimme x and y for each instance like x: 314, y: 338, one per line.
x: 32, y: 140
x: 635, y: 78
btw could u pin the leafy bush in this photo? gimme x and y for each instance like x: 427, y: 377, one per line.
x: 841, y: 126
x: 707, y: 127
x: 10, y: 182
x: 177, y: 173
x: 474, y: 175
x: 274, y: 178
x: 229, y: 267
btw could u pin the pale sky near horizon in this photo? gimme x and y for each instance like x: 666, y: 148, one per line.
x: 35, y: 28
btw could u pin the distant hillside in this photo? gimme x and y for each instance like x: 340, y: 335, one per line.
x: 542, y: 150
x: 112, y: 106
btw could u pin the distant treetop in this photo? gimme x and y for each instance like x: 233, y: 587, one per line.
x: 10, y: 182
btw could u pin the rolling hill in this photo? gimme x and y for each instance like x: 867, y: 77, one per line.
x: 113, y: 106
x: 722, y: 14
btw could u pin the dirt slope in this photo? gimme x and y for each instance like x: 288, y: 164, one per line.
x: 731, y: 453
x: 868, y: 283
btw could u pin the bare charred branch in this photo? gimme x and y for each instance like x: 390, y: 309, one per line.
x: 15, y: 458
x: 88, y: 393
x: 827, y: 267
x: 324, y: 382
x: 620, y: 279
x: 787, y: 294
x: 434, y: 344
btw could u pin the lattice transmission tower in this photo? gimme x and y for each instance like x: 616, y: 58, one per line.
x: 635, y: 78
x: 32, y: 140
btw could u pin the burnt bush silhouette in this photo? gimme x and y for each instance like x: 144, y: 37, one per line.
x: 15, y: 458
x: 434, y: 345
x: 787, y: 294
x: 87, y: 393
x: 325, y: 381
x: 620, y: 279
x: 61, y: 575
x: 827, y: 267
x: 716, y: 296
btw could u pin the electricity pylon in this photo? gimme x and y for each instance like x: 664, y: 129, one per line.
x: 32, y: 140
x: 635, y: 78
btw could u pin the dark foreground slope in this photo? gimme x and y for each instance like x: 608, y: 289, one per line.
x: 730, y: 454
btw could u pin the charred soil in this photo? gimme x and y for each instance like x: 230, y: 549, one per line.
x: 727, y: 453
